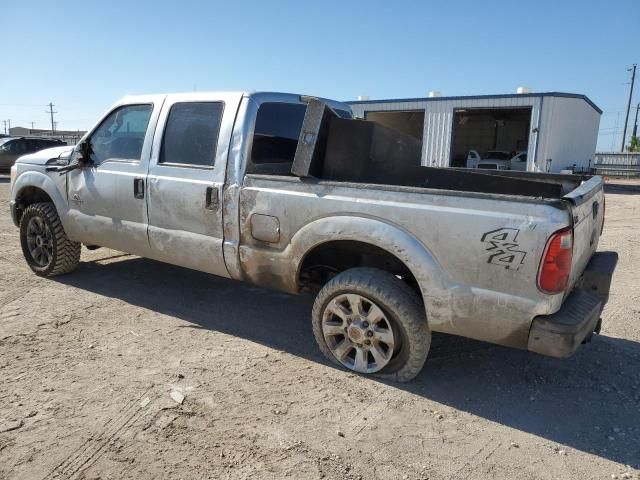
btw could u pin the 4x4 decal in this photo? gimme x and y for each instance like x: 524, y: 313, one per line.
x: 502, y: 246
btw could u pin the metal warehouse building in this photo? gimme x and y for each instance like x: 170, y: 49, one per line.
x: 557, y: 130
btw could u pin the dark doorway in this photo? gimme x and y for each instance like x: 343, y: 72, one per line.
x: 489, y: 129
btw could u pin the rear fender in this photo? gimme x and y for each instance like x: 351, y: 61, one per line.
x: 280, y: 269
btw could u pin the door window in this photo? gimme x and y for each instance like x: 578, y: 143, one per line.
x: 33, y: 145
x: 121, y: 135
x: 20, y: 147
x: 191, y: 134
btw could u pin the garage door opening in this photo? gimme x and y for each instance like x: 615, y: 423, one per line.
x: 494, y: 133
x: 409, y: 122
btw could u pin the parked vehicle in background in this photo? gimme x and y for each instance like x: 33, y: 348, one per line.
x: 473, y: 159
x: 279, y: 191
x: 519, y: 162
x: 13, y: 147
x: 495, y: 160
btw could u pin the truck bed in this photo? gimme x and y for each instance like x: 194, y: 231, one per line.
x: 359, y: 151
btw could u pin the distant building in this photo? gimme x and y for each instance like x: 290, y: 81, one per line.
x: 70, y: 137
x: 556, y: 130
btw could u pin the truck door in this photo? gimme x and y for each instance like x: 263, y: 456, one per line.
x: 107, y: 200
x: 186, y: 179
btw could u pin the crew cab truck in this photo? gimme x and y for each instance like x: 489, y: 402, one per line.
x: 204, y: 181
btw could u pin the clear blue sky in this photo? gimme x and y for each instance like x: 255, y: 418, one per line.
x: 85, y: 55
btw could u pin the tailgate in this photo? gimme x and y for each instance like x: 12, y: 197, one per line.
x: 587, y: 212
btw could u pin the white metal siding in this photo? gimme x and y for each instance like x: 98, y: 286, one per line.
x: 569, y: 133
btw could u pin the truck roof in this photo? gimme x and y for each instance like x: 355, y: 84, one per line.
x: 257, y: 95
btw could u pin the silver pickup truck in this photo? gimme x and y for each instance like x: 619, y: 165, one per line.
x: 291, y: 193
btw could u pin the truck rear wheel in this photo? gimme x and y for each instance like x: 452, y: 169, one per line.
x: 45, y: 245
x: 371, y: 322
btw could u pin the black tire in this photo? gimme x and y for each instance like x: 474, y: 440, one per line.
x: 400, y: 304
x: 63, y: 254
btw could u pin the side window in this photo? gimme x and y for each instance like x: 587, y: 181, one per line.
x: 276, y: 136
x: 34, y: 145
x: 191, y: 134
x: 21, y: 147
x: 10, y: 147
x: 121, y: 134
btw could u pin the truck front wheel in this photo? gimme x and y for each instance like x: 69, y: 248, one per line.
x: 45, y: 245
x: 371, y: 322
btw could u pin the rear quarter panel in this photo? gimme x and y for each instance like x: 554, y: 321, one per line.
x: 475, y: 256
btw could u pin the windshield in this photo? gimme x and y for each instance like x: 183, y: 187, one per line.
x: 496, y: 156
x: 5, y: 140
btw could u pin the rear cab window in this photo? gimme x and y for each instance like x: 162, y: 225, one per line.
x: 275, y: 137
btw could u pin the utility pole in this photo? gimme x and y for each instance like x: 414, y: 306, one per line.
x: 635, y: 123
x: 4, y: 122
x: 32, y: 125
x: 51, y: 112
x: 626, y: 117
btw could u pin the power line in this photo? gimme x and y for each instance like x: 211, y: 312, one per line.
x: 51, y: 112
x: 613, y: 138
x: 626, y: 117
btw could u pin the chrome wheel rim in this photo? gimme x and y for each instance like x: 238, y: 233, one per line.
x: 358, y: 333
x: 39, y: 241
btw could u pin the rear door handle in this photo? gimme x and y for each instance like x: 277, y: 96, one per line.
x: 138, y: 187
x: 211, y: 198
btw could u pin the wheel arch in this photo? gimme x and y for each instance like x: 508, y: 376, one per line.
x: 331, y: 257
x: 34, y: 187
x: 395, y: 242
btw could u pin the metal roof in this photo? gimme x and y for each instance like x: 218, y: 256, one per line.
x: 474, y: 97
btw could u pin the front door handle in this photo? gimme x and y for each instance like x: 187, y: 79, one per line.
x: 138, y: 187
x: 211, y: 198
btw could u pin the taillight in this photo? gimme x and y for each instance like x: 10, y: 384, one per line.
x: 556, y: 262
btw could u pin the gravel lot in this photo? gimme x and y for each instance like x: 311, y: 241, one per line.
x: 89, y: 364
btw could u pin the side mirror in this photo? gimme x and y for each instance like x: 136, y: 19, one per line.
x: 79, y: 159
x: 81, y: 154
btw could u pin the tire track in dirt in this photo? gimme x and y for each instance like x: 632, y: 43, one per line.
x: 92, y: 449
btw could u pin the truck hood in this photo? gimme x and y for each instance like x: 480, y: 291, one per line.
x: 43, y: 156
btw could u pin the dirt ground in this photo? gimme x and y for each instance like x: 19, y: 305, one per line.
x: 89, y: 363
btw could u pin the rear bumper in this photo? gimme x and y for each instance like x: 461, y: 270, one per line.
x: 560, y: 334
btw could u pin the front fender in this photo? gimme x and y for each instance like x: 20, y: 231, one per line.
x: 52, y: 187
